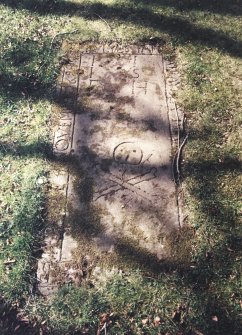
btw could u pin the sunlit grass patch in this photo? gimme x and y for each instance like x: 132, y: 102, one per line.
x: 28, y: 68
x: 212, y: 170
x: 22, y: 204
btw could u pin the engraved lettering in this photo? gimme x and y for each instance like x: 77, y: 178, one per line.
x: 62, y: 144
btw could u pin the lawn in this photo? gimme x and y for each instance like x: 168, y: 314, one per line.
x: 201, y: 292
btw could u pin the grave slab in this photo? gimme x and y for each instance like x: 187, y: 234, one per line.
x: 115, y: 132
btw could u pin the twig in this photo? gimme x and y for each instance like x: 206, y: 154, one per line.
x: 173, y: 167
x: 178, y: 155
x: 62, y: 34
x: 183, y: 122
x: 103, y: 328
x: 104, y: 21
x: 148, y: 277
x: 9, y: 261
x: 178, y: 128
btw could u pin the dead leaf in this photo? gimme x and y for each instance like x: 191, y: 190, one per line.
x: 145, y: 321
x: 157, y: 321
x: 197, y: 332
x: 104, y: 318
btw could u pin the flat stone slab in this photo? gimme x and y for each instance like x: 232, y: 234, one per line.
x: 114, y: 132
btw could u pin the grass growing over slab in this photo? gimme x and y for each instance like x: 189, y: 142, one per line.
x: 204, y: 39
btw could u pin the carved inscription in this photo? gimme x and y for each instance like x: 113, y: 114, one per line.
x: 120, y: 48
x: 63, y: 133
x: 115, y: 124
x: 128, y: 172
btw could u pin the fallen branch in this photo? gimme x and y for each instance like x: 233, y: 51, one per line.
x: 178, y: 155
x: 103, y: 328
x: 110, y: 28
x: 178, y: 128
x: 62, y: 34
x: 9, y: 261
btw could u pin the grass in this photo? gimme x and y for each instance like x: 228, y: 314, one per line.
x: 129, y: 303
x: 204, y: 39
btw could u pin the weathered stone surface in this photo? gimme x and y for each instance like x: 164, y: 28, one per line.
x: 69, y: 244
x: 115, y: 132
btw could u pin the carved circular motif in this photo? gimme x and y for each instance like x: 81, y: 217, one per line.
x: 62, y: 144
x: 128, y: 153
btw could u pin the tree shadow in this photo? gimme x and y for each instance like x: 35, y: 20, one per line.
x: 35, y: 149
x: 216, y: 259
x: 11, y: 322
x: 28, y: 70
x: 224, y: 7
x: 181, y: 30
x: 210, y: 263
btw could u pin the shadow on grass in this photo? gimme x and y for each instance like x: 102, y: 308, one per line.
x: 11, y: 323
x: 180, y: 29
x: 233, y: 7
x: 216, y: 258
x: 35, y: 149
x: 28, y: 69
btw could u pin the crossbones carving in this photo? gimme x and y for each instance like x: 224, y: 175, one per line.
x: 130, y: 160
